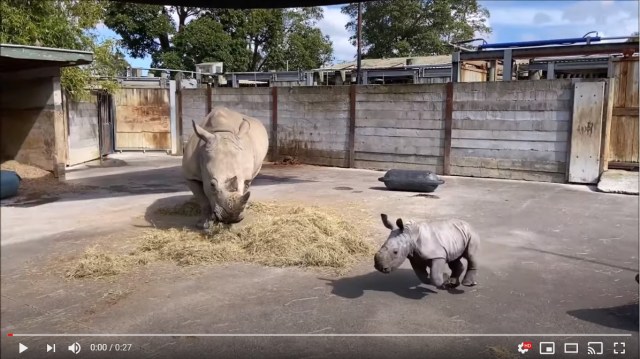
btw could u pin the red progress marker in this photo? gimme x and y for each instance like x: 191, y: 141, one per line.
x: 9, y: 334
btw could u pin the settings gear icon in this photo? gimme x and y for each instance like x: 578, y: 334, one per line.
x: 524, y: 347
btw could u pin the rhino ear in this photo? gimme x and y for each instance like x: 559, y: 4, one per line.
x: 400, y: 224
x: 385, y: 221
x: 244, y: 127
x: 203, y: 134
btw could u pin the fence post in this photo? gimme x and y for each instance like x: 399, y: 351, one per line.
x: 609, y: 100
x: 180, y: 144
x: 274, y: 123
x: 448, y: 124
x: 208, y: 99
x: 352, y: 127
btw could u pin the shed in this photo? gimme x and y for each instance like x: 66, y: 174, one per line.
x: 32, y: 117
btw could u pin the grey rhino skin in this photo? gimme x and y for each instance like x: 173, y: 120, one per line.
x: 431, y: 245
x: 221, y: 158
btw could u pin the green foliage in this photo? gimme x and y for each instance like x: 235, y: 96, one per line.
x: 400, y: 28
x: 245, y: 40
x: 64, y: 24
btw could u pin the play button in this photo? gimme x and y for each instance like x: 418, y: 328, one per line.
x: 21, y: 348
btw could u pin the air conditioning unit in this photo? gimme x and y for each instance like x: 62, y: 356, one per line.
x: 210, y: 68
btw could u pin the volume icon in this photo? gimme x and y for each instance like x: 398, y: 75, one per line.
x: 74, y: 348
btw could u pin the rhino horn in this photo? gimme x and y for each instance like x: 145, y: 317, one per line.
x: 244, y: 199
x: 203, y: 134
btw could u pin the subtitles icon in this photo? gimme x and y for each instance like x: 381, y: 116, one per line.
x: 547, y: 348
x: 525, y: 347
x: 571, y: 348
x: 594, y: 348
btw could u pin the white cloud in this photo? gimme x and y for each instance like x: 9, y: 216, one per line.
x: 333, y: 24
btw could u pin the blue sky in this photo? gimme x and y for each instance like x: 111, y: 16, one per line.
x: 510, y: 21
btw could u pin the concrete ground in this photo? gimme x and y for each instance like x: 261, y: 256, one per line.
x: 556, y: 260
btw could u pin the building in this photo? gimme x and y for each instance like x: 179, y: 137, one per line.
x: 32, y: 112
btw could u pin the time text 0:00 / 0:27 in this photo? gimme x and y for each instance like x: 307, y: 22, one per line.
x: 110, y: 347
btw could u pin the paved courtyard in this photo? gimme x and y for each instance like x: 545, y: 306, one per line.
x: 555, y: 259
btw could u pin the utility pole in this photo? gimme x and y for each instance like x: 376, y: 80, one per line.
x: 359, y: 54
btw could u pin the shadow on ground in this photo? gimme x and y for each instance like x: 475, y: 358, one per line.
x: 163, y: 221
x: 624, y: 317
x: 155, y: 181
x: 402, y: 282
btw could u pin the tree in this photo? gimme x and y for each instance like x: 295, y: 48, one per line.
x: 64, y: 24
x: 245, y: 40
x: 400, y: 28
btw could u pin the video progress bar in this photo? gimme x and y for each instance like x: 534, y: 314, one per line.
x: 316, y: 335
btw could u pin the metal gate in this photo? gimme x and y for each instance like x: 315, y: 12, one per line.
x: 105, y: 121
x: 142, y: 119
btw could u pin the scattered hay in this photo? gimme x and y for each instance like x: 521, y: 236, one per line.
x: 36, y: 181
x: 277, y: 236
x: 188, y: 209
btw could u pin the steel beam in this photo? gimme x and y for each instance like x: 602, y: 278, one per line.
x: 572, y: 50
x: 507, y: 65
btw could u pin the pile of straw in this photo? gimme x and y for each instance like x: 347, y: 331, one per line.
x: 36, y: 181
x: 277, y: 235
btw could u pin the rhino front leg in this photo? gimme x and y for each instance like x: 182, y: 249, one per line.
x: 420, y: 269
x: 438, y: 274
x: 206, y: 217
x: 456, y: 271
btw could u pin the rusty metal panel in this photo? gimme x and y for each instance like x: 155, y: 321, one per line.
x: 586, y: 133
x: 143, y: 119
x: 623, y: 140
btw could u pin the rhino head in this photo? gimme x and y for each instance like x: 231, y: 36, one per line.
x: 395, y: 249
x: 227, y: 171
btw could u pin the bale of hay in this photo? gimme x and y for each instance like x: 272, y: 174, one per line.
x: 278, y: 236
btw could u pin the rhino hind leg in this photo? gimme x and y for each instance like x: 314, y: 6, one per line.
x: 457, y: 268
x: 472, y: 264
x: 206, y: 220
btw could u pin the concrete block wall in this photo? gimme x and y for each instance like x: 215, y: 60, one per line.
x: 512, y: 130
x: 194, y: 108
x: 252, y: 101
x: 400, y: 126
x: 313, y: 124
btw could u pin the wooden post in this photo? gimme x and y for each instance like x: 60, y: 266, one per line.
x: 208, y: 99
x: 609, y: 100
x: 351, y: 154
x: 448, y: 125
x: 274, y: 124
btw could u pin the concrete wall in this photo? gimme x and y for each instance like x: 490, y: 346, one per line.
x: 514, y: 130
x: 313, y: 124
x: 252, y: 101
x: 32, y: 119
x: 510, y: 130
x: 400, y: 126
x: 83, y: 133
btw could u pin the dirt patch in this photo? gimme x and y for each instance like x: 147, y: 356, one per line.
x: 37, y: 182
x: 276, y: 235
x: 500, y: 352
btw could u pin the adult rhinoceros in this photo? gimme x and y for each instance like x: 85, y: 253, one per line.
x: 222, y: 157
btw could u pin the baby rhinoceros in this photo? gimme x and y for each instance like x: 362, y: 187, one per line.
x: 433, y: 245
